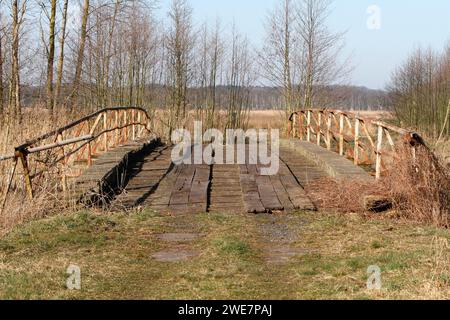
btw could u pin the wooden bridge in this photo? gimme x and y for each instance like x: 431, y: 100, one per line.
x: 112, y: 157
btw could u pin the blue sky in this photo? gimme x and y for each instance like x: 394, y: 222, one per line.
x: 405, y: 24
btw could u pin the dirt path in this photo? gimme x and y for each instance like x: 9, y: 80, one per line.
x: 144, y: 255
x: 278, y: 235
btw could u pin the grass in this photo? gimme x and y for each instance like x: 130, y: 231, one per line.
x: 115, y: 251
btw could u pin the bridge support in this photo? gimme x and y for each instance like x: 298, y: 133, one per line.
x: 26, y: 172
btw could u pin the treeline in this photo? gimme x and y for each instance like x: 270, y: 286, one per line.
x: 420, y: 92
x: 97, y: 53
x: 261, y: 97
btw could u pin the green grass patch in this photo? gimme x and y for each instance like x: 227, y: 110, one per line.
x: 230, y: 245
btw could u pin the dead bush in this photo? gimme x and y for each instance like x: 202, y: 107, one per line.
x: 417, y: 183
x: 342, y: 195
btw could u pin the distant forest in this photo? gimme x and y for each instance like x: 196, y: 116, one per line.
x: 259, y: 97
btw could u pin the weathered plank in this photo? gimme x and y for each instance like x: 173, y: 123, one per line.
x: 267, y: 194
x: 250, y: 192
x: 282, y: 194
x: 145, y: 182
x: 225, y: 192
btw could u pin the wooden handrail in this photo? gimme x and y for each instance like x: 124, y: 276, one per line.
x: 79, y: 140
x: 77, y: 122
x: 327, y: 125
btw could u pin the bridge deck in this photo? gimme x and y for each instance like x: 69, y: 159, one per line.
x: 158, y: 184
x: 152, y: 180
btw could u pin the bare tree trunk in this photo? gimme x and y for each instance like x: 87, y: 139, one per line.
x: 51, y: 56
x: 277, y: 54
x: 215, y: 56
x: 287, y: 57
x: 62, y: 40
x: 15, y: 76
x: 179, y: 44
x: 310, y: 20
x: 239, y: 80
x: 80, y: 57
x: 1, y: 68
x: 108, y: 52
x: 320, y: 66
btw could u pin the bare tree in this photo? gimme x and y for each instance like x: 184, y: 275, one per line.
x: 80, y: 55
x: 62, y: 40
x: 1, y: 61
x: 240, y: 77
x: 210, y: 54
x: 111, y: 33
x: 179, y: 44
x: 51, y: 55
x: 18, y: 13
x: 420, y: 92
x: 321, y: 49
x: 300, y: 55
x: 276, y: 56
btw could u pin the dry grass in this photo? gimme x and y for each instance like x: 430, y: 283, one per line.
x: 336, y: 251
x: 375, y: 115
x: 18, y: 208
x: 267, y: 119
x: 342, y: 195
x: 417, y: 183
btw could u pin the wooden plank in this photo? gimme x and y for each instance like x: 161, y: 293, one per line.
x: 282, y: 194
x: 252, y: 201
x: 297, y: 194
x: 198, y: 197
x: 226, y: 191
x: 267, y: 194
x: 145, y: 182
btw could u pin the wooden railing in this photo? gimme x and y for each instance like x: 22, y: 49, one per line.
x: 70, y: 149
x: 366, y: 142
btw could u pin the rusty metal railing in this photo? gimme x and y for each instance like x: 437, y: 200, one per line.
x: 367, y: 142
x: 70, y: 149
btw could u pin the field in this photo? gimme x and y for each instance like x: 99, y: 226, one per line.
x: 144, y: 255
x: 278, y: 119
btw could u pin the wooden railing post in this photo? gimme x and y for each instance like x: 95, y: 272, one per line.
x: 329, y: 131
x: 140, y: 126
x: 105, y: 135
x: 341, y: 134
x: 133, y: 128
x: 26, y: 172
x: 308, y: 126
x: 89, y: 148
x: 300, y: 125
x: 356, y: 151
x: 63, y: 178
x: 125, y: 129
x: 117, y: 128
x: 294, y: 126
x: 319, y: 124
x: 379, y: 146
